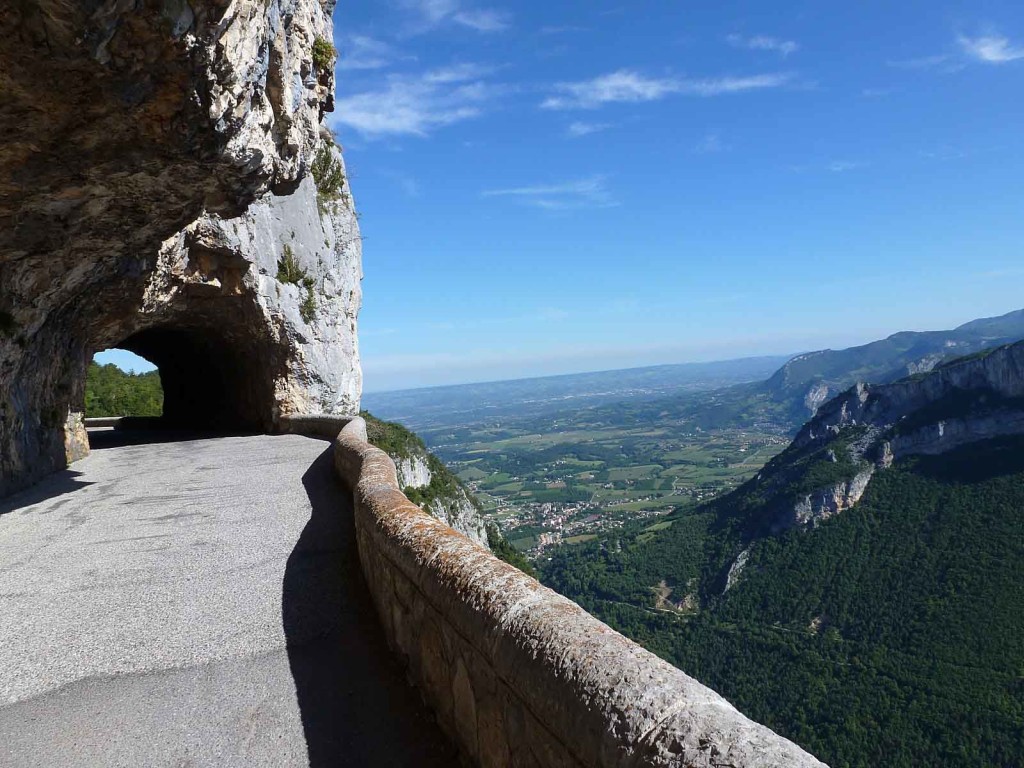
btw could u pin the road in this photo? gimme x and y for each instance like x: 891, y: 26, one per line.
x: 196, y: 602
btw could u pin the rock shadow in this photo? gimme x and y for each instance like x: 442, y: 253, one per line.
x: 356, y: 706
x: 103, y: 438
x: 50, y: 487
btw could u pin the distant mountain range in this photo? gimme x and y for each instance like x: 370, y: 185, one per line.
x: 783, y: 390
x: 808, y: 380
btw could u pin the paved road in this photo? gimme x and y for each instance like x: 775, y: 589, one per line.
x: 196, y: 603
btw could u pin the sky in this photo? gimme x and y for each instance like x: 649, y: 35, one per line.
x: 558, y: 187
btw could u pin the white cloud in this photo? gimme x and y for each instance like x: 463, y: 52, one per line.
x: 579, y: 128
x: 991, y: 49
x: 627, y: 86
x: 413, y: 105
x: 363, y: 52
x: 621, y: 86
x: 842, y: 166
x: 457, y: 73
x: 483, y: 20
x: 764, y: 43
x: 434, y: 13
x: 570, y: 195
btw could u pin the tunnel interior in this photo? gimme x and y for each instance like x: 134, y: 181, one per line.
x: 209, y: 380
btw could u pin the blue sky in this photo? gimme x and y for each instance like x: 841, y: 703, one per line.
x: 555, y: 187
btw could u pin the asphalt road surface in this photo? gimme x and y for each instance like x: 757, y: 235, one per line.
x: 196, y: 602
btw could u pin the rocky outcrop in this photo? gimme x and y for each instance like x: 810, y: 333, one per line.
x: 159, y: 192
x: 805, y: 382
x: 966, y: 400
x: 458, y: 511
x: 830, y: 464
x: 413, y: 471
x: 452, y: 505
x: 823, y: 503
x: 427, y: 481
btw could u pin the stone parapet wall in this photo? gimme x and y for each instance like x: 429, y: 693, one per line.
x: 319, y: 425
x: 517, y: 674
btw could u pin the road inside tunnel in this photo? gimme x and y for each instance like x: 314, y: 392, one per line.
x: 208, y: 378
x: 198, y: 602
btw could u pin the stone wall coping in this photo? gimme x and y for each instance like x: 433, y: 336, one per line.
x: 104, y: 421
x: 317, y: 424
x: 600, y: 699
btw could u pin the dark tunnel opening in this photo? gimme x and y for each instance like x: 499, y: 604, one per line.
x: 209, y: 381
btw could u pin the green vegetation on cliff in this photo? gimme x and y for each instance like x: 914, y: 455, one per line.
x: 888, y: 635
x: 400, y: 443
x: 109, y: 391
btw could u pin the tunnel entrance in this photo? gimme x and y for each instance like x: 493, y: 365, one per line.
x: 208, y: 380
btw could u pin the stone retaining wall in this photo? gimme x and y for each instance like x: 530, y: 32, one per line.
x: 517, y: 674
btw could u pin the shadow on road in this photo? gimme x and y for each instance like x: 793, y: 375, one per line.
x: 50, y: 487
x: 357, y: 708
x: 106, y: 437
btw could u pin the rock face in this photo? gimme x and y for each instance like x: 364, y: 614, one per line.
x: 807, y: 381
x: 166, y: 186
x: 824, y: 503
x: 964, y: 401
x: 426, y: 480
x: 453, y: 506
x: 866, y: 429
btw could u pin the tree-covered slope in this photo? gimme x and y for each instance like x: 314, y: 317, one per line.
x: 881, y: 627
x: 442, y: 494
x: 109, y: 391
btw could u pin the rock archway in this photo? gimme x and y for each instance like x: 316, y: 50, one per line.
x: 158, y: 170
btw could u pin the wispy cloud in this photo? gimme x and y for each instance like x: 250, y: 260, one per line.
x: 941, y: 62
x: 842, y: 166
x: 558, y: 29
x: 414, y: 105
x: 709, y: 145
x: 591, y: 192
x: 435, y: 13
x: 627, y: 86
x: 833, y: 166
x: 364, y: 52
x: 483, y: 20
x: 579, y: 128
x: 990, y: 49
x: 764, y: 43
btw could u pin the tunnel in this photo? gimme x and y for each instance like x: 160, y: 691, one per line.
x: 210, y: 379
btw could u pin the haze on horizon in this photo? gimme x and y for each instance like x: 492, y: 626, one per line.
x: 556, y: 188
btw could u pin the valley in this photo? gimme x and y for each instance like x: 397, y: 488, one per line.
x: 853, y: 581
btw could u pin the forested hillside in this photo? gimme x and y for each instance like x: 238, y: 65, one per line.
x: 109, y: 391
x: 874, y: 622
x: 889, y: 635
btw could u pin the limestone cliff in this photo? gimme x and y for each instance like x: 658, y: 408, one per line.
x: 426, y: 480
x: 830, y: 463
x: 167, y: 186
x: 809, y: 380
x: 965, y: 400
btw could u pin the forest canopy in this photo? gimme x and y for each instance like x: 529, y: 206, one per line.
x: 109, y: 391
